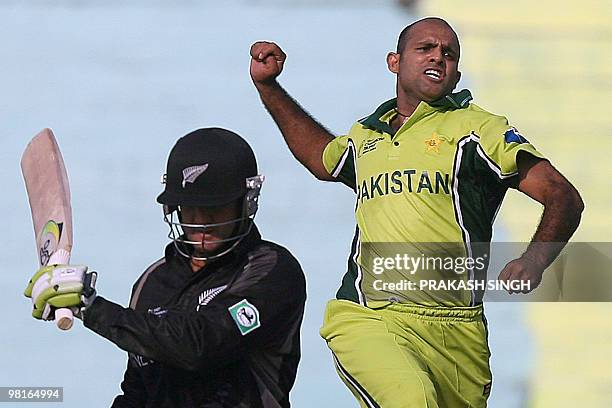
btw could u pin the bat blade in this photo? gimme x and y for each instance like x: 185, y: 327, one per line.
x: 48, y: 190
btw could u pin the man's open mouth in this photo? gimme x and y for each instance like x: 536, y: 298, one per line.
x: 434, y: 74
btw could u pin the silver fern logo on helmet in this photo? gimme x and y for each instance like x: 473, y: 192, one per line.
x: 190, y: 174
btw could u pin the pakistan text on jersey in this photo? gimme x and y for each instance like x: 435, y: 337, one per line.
x: 399, y: 180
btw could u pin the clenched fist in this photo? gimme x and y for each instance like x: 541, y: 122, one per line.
x: 267, y: 61
x: 524, y: 270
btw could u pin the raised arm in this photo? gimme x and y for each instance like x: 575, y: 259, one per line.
x: 562, y: 211
x: 305, y: 136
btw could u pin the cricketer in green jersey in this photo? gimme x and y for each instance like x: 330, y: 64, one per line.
x: 429, y: 168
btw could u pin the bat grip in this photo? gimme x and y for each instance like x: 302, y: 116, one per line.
x: 64, y: 316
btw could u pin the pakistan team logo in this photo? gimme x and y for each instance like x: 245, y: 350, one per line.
x: 246, y: 316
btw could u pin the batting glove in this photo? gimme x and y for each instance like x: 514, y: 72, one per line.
x: 61, y: 286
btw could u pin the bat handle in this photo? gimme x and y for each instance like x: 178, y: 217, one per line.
x: 64, y: 318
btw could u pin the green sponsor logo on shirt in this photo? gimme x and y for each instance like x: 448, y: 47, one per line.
x: 246, y: 316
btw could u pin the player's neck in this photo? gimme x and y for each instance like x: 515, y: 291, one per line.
x: 403, y: 113
x: 406, y: 103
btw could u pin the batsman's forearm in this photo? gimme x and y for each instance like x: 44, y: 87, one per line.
x: 305, y: 136
x: 185, y: 341
x: 559, y: 221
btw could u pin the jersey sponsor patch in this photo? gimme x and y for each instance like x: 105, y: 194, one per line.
x: 246, y: 316
x: 513, y: 136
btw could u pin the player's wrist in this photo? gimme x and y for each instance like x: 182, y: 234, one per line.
x: 89, y: 294
x: 86, y: 306
x: 534, y: 260
x: 267, y: 86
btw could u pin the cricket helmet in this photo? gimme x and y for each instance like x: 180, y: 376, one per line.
x: 210, y: 167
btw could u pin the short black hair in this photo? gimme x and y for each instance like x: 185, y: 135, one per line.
x: 405, y: 34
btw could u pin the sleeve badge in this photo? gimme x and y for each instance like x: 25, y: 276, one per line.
x: 246, y: 316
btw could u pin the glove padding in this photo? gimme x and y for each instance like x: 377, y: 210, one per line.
x: 61, y: 286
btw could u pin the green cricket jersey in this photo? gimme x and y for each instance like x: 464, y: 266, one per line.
x: 439, y: 179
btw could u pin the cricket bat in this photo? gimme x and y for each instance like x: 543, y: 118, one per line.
x: 46, y: 182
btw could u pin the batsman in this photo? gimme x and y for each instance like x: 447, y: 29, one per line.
x: 427, y: 166
x: 215, y: 322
